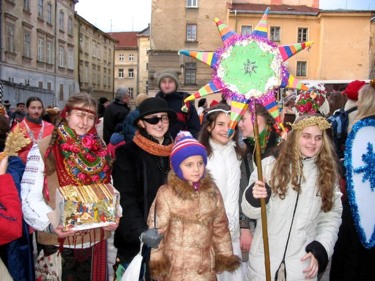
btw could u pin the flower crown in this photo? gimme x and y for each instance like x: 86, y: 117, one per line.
x: 319, y: 121
x: 310, y: 101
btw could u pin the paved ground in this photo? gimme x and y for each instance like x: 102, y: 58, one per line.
x: 112, y: 256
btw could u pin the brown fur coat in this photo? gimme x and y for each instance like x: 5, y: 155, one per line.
x: 197, y: 242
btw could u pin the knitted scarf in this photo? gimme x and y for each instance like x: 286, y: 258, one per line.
x: 151, y: 146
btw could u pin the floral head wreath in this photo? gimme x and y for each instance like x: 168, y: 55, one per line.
x: 311, y: 101
x: 319, y: 121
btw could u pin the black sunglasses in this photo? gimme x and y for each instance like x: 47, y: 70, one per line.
x: 155, y: 120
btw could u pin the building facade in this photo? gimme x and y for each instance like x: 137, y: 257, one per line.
x: 126, y: 61
x: 143, y: 42
x: 37, y: 50
x: 343, y: 48
x: 94, y: 59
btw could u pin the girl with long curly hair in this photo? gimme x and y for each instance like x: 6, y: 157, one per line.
x: 303, y: 204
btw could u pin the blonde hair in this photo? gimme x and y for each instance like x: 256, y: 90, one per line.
x: 288, y: 168
x: 366, y: 99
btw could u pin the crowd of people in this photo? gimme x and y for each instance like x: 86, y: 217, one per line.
x: 178, y: 173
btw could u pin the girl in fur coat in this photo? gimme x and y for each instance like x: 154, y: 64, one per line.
x: 190, y: 214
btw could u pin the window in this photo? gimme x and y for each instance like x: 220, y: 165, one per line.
x: 70, y: 26
x: 121, y: 57
x: 40, y: 84
x: 301, y: 68
x: 61, y: 20
x: 26, y: 5
x: 121, y: 73
x: 49, y: 52
x: 98, y: 51
x: 10, y: 38
x: 61, y: 92
x: 93, y: 74
x: 40, y: 49
x: 131, y: 73
x: 131, y: 92
x: 98, y: 77
x: 86, y: 74
x: 61, y: 56
x: 131, y: 57
x: 192, y: 3
x: 93, y: 49
x: 302, y: 35
x: 109, y: 83
x: 190, y: 73
x: 191, y: 32
x: 70, y: 59
x: 49, y: 13
x: 40, y: 9
x: 275, y: 33
x: 27, y: 44
x: 49, y: 86
x: 246, y: 29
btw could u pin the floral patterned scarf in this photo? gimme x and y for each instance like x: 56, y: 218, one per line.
x: 81, y: 160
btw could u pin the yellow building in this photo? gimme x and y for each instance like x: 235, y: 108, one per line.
x: 343, y: 48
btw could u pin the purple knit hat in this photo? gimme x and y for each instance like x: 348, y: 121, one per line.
x: 184, y: 147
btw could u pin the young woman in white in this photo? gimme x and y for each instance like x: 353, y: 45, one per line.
x: 224, y: 161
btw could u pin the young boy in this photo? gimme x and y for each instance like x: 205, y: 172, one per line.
x: 190, y: 214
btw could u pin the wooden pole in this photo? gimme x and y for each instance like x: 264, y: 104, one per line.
x: 258, y: 161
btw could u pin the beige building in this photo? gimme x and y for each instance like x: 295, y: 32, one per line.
x: 343, y: 48
x: 177, y: 25
x: 126, y: 61
x: 94, y: 59
x: 143, y: 42
x: 37, y: 50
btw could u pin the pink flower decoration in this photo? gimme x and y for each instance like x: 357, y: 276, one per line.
x: 81, y: 176
x: 87, y: 142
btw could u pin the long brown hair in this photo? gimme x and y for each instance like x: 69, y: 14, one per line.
x: 83, y: 99
x: 287, y: 170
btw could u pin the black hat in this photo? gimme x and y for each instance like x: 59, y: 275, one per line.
x: 155, y: 105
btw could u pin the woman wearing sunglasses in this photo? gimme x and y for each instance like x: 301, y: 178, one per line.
x: 140, y: 168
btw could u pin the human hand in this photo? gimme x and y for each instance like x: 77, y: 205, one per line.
x: 259, y: 190
x: 312, y: 270
x: 4, y: 165
x: 112, y: 226
x: 245, y: 239
x: 62, y: 232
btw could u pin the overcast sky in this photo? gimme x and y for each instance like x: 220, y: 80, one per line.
x: 135, y: 15
x: 116, y: 15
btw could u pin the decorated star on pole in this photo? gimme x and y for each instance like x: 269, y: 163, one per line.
x: 248, y: 69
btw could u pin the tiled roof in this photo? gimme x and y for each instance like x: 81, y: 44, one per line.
x: 282, y: 9
x: 126, y: 40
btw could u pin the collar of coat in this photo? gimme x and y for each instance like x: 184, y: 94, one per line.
x: 185, y: 191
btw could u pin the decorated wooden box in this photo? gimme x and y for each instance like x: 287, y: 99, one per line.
x: 88, y: 206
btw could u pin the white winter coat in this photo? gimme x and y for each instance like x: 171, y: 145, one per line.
x: 224, y: 167
x: 310, y: 224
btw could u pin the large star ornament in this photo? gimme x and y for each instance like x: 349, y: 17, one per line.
x: 247, y: 70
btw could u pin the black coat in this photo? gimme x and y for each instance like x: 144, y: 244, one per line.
x: 114, y: 114
x: 132, y: 166
x: 186, y: 121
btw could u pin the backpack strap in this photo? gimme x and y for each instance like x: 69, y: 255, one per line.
x: 351, y: 109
